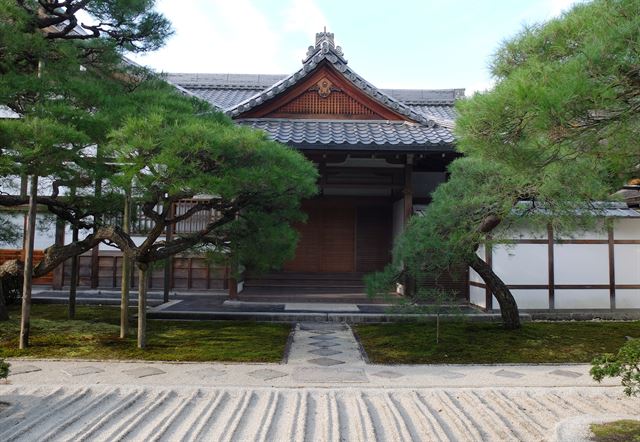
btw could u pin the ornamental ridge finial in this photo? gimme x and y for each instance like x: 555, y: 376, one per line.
x: 325, y: 43
x: 324, y: 37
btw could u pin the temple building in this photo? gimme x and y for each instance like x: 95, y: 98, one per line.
x: 380, y: 153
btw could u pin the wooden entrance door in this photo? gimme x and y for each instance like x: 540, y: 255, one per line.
x: 327, y: 240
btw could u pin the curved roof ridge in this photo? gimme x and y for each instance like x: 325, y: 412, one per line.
x: 334, y: 56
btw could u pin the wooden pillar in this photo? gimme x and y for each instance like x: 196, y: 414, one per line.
x: 168, y: 263
x: 408, y: 189
x: 233, y: 288
x: 58, y: 272
x: 551, y: 267
x: 612, y: 266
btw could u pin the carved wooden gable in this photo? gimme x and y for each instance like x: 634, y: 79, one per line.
x: 325, y: 94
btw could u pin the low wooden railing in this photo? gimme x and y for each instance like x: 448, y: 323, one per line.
x: 141, y: 224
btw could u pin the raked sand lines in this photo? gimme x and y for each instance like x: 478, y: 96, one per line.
x: 239, y: 414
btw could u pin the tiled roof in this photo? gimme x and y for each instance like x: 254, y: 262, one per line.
x: 325, y: 51
x: 367, y: 133
x: 432, y: 111
x: 224, y: 98
x: 224, y: 81
x: 444, y: 112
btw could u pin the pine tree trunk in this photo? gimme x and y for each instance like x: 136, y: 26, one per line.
x: 142, y: 304
x: 28, y: 264
x: 126, y: 271
x: 508, y: 306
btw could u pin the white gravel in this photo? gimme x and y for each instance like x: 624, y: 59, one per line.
x: 304, y: 400
x: 106, y: 412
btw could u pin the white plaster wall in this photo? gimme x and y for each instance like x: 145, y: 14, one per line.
x: 45, y: 231
x: 521, y: 232
x: 473, y: 276
x: 597, y: 232
x: 10, y: 185
x: 582, y: 299
x: 581, y: 263
x: 534, y: 299
x: 521, y: 263
x: 627, y: 228
x: 477, y: 296
x: 627, y: 298
x: 627, y: 263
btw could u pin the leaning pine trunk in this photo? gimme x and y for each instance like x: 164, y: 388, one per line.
x: 142, y: 305
x: 508, y: 306
x: 28, y: 264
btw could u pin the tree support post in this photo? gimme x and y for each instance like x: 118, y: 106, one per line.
x: 142, y: 304
x: 126, y: 269
x: 28, y: 264
x: 168, y: 264
x: 73, y: 284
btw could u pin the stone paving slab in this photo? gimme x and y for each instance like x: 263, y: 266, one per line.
x: 208, y: 373
x: 143, y: 372
x: 566, y: 373
x: 267, y: 374
x: 388, y: 374
x: 81, y: 371
x: 17, y: 369
x: 325, y: 362
x: 321, y: 307
x: 330, y: 375
x: 324, y: 344
x: 509, y: 374
x: 325, y: 352
x: 232, y: 374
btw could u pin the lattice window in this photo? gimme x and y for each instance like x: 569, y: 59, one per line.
x: 338, y: 103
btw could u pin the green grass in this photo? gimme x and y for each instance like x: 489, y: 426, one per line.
x: 95, y: 335
x: 486, y: 343
x: 618, y: 431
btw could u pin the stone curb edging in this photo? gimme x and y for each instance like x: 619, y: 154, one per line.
x: 576, y: 429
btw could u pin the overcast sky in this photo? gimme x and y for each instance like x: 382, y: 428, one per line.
x: 391, y: 43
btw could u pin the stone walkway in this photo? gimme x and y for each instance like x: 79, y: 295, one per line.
x: 325, y: 392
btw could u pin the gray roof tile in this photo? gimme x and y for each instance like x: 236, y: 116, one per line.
x: 227, y: 90
x: 432, y: 110
x: 363, y: 133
